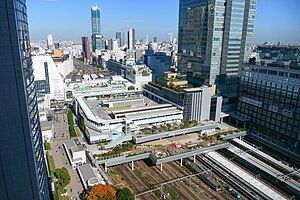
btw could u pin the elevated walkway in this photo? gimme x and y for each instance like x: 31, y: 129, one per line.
x: 123, y: 159
x: 187, y: 154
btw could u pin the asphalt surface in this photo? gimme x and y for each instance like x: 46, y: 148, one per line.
x: 75, y: 188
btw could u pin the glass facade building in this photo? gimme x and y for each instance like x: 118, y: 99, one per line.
x: 98, y: 41
x: 270, y: 98
x: 215, y: 37
x: 23, y: 173
x: 96, y: 25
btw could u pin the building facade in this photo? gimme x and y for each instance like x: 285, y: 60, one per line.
x: 195, y: 104
x: 131, y: 39
x: 159, y: 63
x: 86, y: 49
x: 98, y: 41
x: 215, y: 37
x: 50, y: 44
x: 23, y: 172
x: 270, y: 98
x: 120, y: 39
x: 95, y: 17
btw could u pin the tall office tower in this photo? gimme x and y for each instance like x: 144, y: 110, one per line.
x: 86, y: 48
x: 98, y: 42
x: 214, y: 38
x: 23, y: 173
x: 50, y: 44
x: 96, y: 25
x: 170, y: 35
x: 131, y: 39
x: 269, y: 100
x: 155, y: 39
x: 119, y: 39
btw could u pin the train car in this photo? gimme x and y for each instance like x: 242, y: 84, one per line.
x: 233, y: 192
x: 205, y: 176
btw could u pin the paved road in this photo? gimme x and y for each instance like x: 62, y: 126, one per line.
x: 75, y: 188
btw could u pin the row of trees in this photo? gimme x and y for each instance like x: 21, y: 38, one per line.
x: 108, y: 192
x: 72, y: 130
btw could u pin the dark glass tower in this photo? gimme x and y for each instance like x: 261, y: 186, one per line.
x: 23, y: 173
x: 96, y: 26
x: 215, y: 37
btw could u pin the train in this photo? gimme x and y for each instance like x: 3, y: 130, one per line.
x: 205, y: 176
x: 233, y: 192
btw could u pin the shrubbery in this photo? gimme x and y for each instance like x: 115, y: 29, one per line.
x: 63, y: 178
x: 72, y: 130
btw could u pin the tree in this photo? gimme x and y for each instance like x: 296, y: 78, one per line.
x: 125, y: 194
x: 81, y: 123
x: 63, y: 177
x: 103, y: 192
x: 70, y: 118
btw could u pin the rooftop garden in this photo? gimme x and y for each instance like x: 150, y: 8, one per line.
x: 168, y: 127
x: 117, y: 151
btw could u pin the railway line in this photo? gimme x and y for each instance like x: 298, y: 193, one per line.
x: 136, y: 184
x: 157, y: 178
x: 268, y: 172
x: 276, y: 164
x: 252, y: 187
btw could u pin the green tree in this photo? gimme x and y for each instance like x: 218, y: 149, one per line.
x: 63, y: 178
x: 70, y: 118
x: 81, y: 123
x: 125, y: 194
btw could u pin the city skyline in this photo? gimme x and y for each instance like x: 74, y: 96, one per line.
x: 282, y: 20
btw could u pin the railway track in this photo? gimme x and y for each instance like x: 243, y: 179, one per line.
x: 134, y: 182
x: 182, y: 186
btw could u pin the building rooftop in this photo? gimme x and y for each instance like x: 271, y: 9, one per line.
x: 94, y: 111
x: 77, y: 149
x: 88, y: 176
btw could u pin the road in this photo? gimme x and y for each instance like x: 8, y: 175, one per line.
x: 75, y: 188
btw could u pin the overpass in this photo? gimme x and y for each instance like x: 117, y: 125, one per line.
x: 123, y: 159
x: 192, y: 153
x: 234, y: 135
x: 159, y: 136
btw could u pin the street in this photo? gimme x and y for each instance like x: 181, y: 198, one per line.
x: 61, y: 134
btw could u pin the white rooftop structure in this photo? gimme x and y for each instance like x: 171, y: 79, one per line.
x: 88, y: 177
x: 76, y: 154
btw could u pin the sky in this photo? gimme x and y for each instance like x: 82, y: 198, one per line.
x: 276, y: 20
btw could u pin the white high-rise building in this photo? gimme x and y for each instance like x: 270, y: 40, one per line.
x: 131, y: 38
x: 50, y: 44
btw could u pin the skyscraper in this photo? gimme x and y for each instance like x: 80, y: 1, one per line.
x: 170, y: 35
x: 96, y: 24
x: 50, y: 42
x: 23, y: 173
x: 119, y: 39
x: 98, y: 41
x: 131, y: 39
x: 215, y: 37
x: 86, y: 48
